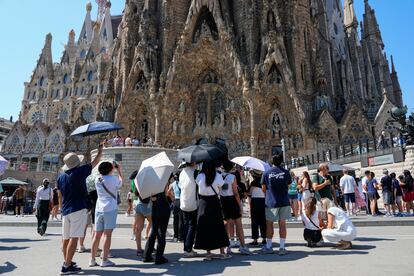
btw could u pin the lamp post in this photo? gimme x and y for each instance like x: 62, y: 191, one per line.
x: 284, y: 152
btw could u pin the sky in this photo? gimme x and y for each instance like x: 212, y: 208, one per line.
x: 25, y: 23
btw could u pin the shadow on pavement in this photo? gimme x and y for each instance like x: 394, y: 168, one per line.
x: 179, y: 266
x: 368, y: 239
x: 7, y: 267
x: 20, y: 240
x: 3, y: 248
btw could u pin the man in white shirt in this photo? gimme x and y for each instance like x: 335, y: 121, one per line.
x: 188, y: 204
x: 364, y: 183
x: 41, y: 206
x: 348, y: 186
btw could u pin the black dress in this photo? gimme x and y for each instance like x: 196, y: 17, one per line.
x: 211, y: 233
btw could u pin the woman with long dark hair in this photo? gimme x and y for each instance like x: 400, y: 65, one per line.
x: 211, y: 233
x: 306, y: 188
x: 313, y: 223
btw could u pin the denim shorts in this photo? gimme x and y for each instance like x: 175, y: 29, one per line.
x: 293, y: 197
x: 105, y: 220
x: 349, y: 197
x: 144, y: 209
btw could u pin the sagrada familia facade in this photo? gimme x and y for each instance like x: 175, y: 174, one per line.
x: 251, y: 72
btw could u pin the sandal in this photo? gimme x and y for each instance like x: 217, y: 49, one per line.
x: 224, y: 256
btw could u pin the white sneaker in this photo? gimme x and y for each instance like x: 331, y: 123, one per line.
x: 92, y: 262
x: 133, y: 238
x: 81, y: 249
x: 107, y: 263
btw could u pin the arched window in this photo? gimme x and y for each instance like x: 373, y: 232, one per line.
x: 274, y: 75
x: 88, y: 113
x: 35, y: 145
x: 141, y: 82
x: 65, y: 79
x: 271, y: 21
x: 210, y: 77
x: 41, y: 81
x: 205, y: 25
x: 37, y: 116
x: 90, y: 76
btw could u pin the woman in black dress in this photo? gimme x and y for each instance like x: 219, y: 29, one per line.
x: 211, y: 233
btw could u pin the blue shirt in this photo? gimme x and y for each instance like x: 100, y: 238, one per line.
x: 72, y: 185
x: 277, y: 181
x: 176, y: 189
x: 397, y: 187
x: 370, y: 184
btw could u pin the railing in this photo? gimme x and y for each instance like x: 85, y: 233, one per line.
x: 350, y: 153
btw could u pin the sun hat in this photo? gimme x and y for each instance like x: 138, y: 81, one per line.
x: 71, y: 161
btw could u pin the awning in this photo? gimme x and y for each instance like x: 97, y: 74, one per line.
x: 12, y: 181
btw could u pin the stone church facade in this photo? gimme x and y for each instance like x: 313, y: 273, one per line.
x: 251, y: 72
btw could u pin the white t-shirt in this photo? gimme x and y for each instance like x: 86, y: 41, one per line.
x: 364, y: 183
x: 128, y: 141
x: 205, y: 190
x: 228, y: 179
x: 315, y: 219
x: 347, y: 184
x: 188, y: 200
x: 256, y: 192
x: 105, y: 202
x: 342, y: 221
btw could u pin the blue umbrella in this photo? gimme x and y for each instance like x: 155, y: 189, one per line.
x: 96, y: 128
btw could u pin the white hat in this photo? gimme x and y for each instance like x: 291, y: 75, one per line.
x: 71, y: 161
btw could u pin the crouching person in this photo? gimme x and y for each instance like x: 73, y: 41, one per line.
x: 340, y: 229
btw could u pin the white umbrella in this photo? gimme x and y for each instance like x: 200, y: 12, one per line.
x: 251, y: 163
x: 153, y: 175
x: 3, y: 165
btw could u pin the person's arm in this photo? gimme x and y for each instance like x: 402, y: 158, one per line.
x: 331, y: 219
x: 98, y: 157
x: 316, y: 186
x: 118, y: 169
x: 60, y: 199
x: 36, y: 201
x: 321, y: 223
x: 235, y: 192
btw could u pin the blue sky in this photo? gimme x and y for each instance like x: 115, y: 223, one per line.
x: 24, y: 24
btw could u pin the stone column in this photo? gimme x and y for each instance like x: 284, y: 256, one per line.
x: 248, y: 96
x: 157, y: 127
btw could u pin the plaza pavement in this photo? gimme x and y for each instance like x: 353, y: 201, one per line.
x: 377, y: 251
x: 125, y: 222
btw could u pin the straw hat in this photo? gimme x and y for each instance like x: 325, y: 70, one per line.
x: 71, y: 161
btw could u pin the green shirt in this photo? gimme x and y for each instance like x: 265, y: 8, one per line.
x: 325, y: 191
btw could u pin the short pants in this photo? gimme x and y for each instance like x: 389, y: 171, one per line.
x: 278, y: 214
x: 105, y: 220
x: 144, y: 209
x: 74, y: 224
x: 349, y: 197
x: 387, y: 197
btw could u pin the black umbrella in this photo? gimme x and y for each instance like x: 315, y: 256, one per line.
x: 96, y: 128
x: 200, y: 153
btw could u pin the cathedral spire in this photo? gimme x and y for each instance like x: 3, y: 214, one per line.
x: 350, y: 19
x: 392, y: 65
x: 397, y: 93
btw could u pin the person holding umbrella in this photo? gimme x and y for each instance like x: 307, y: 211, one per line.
x: 211, y: 233
x: 160, y: 216
x: 43, y: 202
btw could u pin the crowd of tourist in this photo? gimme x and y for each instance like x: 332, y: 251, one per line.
x: 129, y: 141
x: 207, y: 204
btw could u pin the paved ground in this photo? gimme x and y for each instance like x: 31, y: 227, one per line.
x: 125, y: 222
x: 377, y: 251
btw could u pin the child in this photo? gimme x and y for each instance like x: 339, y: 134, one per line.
x: 313, y: 223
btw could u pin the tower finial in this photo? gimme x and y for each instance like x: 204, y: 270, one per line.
x: 88, y: 7
x: 392, y: 65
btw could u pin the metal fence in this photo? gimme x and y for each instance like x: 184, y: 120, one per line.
x: 352, y: 152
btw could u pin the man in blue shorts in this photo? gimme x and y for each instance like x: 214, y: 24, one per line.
x: 275, y: 185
